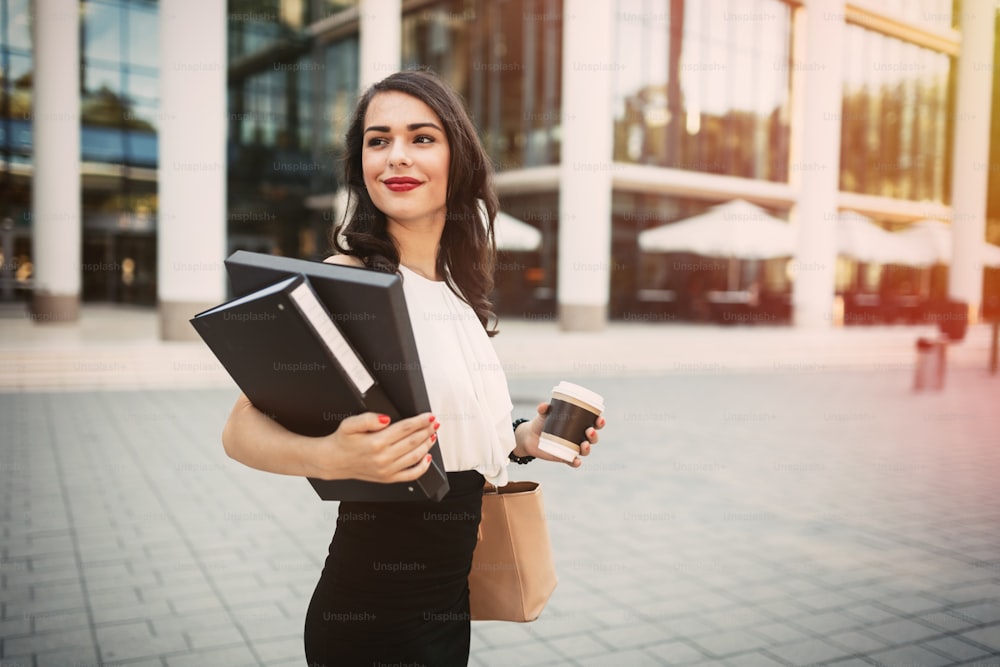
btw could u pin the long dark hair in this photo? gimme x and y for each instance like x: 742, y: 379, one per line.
x: 468, y: 246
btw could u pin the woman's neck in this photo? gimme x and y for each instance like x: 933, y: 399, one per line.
x: 418, y: 247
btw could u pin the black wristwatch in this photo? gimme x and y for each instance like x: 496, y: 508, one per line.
x: 520, y: 459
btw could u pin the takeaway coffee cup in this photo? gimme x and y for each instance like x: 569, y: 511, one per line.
x: 572, y: 410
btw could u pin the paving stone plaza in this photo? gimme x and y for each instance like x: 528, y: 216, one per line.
x: 758, y: 498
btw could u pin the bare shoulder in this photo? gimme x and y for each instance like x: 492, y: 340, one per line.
x: 344, y: 260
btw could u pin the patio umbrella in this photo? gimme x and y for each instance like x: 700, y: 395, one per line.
x: 859, y: 238
x: 991, y: 255
x: 514, y: 234
x: 736, y: 229
x: 511, y: 233
x: 931, y: 240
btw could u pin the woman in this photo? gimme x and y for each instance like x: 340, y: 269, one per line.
x: 394, y: 588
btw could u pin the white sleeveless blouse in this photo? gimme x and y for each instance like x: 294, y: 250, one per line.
x: 465, y: 382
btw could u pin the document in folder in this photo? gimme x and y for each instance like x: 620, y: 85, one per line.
x: 384, y: 355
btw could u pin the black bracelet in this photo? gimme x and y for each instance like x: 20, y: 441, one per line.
x: 520, y: 459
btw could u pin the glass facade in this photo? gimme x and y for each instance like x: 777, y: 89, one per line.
x: 505, y: 59
x: 119, y: 107
x: 679, y: 285
x: 15, y: 80
x: 935, y: 14
x: 704, y: 86
x: 15, y: 147
x: 290, y: 99
x: 896, y: 118
x: 701, y: 86
x: 259, y: 26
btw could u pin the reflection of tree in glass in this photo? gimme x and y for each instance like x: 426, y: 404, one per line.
x: 894, y: 119
x: 104, y: 108
x: 18, y: 103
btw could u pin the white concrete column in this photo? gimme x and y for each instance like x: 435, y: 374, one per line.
x: 380, y: 40
x: 191, y: 232
x: 585, y: 183
x: 815, y: 165
x: 969, y: 172
x: 55, y: 184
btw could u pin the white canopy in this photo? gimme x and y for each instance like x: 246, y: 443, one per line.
x: 991, y: 255
x: 933, y: 241
x: 859, y: 238
x: 514, y: 234
x: 511, y: 233
x: 734, y: 229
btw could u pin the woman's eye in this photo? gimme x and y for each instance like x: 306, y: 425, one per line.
x: 377, y: 141
x: 424, y: 139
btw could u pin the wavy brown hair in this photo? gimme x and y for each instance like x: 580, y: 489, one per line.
x: 468, y: 247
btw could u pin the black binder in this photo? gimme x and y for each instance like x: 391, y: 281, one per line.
x: 291, y: 358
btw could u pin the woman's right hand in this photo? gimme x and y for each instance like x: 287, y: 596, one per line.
x: 368, y: 447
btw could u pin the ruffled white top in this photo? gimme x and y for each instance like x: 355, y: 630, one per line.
x: 465, y: 381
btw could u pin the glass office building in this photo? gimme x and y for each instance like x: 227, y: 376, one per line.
x: 119, y: 73
x: 704, y: 107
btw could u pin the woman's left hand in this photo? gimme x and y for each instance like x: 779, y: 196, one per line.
x: 527, y: 435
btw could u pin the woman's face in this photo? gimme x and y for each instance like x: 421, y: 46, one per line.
x: 405, y: 158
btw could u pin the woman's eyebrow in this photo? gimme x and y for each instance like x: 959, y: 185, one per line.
x: 411, y: 127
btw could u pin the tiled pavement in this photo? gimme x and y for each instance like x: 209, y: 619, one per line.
x: 782, y: 513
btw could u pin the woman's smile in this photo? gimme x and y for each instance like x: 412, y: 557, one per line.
x: 401, y: 183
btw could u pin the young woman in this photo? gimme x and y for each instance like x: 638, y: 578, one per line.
x: 394, y: 588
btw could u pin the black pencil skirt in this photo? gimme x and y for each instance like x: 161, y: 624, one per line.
x: 395, y: 586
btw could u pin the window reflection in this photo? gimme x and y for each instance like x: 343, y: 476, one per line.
x: 18, y: 28
x: 505, y: 60
x: 703, y: 86
x: 289, y: 109
x: 935, y: 14
x: 340, y: 94
x: 102, y: 31
x: 257, y: 25
x: 895, y: 121
x: 119, y: 43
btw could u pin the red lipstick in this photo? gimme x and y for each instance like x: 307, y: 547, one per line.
x: 401, y: 183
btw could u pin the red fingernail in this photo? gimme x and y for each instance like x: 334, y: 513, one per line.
x: 384, y: 419
x: 434, y: 437
x: 431, y: 418
x: 427, y: 459
x: 437, y: 425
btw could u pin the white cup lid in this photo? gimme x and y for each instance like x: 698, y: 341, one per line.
x: 581, y: 393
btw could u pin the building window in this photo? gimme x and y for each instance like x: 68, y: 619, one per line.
x: 895, y: 119
x: 16, y: 66
x: 15, y: 81
x: 933, y: 14
x: 704, y: 86
x: 120, y: 102
x: 290, y: 105
x: 340, y: 94
x: 505, y: 60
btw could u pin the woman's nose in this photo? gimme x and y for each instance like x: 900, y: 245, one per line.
x: 398, y: 154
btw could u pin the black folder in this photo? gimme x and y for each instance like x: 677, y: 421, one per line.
x: 385, y: 347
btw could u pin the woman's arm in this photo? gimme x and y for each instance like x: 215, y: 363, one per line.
x: 364, y: 446
x: 527, y: 435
